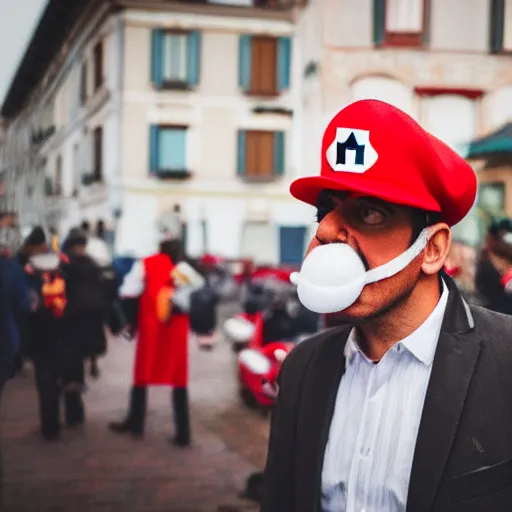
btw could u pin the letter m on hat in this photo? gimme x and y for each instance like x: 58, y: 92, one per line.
x: 351, y: 151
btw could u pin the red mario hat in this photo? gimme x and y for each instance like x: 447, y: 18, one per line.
x: 376, y: 149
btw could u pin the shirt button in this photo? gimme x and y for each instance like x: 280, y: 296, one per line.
x: 398, y: 348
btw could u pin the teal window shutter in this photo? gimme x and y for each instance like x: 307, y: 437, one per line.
x: 497, y: 25
x: 172, y: 149
x: 244, y: 64
x: 279, y: 153
x: 241, y: 153
x: 157, y: 57
x: 379, y: 21
x: 153, y: 148
x: 283, y: 62
x: 194, y: 56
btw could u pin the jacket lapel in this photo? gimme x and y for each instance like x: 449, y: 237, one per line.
x: 316, y: 409
x: 452, y: 370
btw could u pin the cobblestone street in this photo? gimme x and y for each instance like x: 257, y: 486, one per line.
x: 92, y: 469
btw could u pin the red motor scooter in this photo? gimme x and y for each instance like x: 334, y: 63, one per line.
x: 270, y: 336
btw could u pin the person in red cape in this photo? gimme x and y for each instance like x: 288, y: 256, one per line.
x: 161, y: 357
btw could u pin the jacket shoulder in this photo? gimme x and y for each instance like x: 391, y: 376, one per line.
x: 303, y: 353
x: 494, y: 330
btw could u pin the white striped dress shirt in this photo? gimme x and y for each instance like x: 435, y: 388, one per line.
x: 369, y: 453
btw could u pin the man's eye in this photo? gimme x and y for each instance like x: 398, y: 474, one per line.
x: 371, y: 216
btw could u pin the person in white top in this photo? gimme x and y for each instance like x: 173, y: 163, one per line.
x: 406, y: 406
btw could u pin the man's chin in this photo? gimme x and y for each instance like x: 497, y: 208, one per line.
x: 350, y: 316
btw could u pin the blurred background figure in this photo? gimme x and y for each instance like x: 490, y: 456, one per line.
x: 162, y: 344
x: 494, y: 266
x: 43, y: 334
x: 15, y: 307
x: 84, y: 318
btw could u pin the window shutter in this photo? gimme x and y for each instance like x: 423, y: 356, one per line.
x: 497, y: 25
x: 194, y: 56
x: 279, y: 153
x: 283, y: 62
x: 241, y: 153
x: 244, y: 69
x: 379, y: 21
x: 156, y: 57
x: 153, y: 148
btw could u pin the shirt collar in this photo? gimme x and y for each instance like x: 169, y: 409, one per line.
x: 421, y: 343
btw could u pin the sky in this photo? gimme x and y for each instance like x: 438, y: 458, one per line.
x: 18, y: 18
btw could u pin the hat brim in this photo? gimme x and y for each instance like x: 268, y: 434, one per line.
x: 307, y: 190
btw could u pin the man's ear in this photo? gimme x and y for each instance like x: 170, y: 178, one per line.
x: 437, y: 248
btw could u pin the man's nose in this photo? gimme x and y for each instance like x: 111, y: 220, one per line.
x: 332, y: 229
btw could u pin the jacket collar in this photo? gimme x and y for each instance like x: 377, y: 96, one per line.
x: 456, y: 354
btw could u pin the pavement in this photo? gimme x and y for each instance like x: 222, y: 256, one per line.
x: 92, y: 469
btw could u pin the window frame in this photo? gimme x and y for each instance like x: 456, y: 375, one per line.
x: 281, y: 61
x: 57, y: 188
x: 98, y: 65
x: 253, y: 90
x: 176, y: 84
x: 83, y: 83
x: 97, y: 171
x: 163, y: 173
x: 497, y: 28
x: 412, y: 39
x: 278, y: 167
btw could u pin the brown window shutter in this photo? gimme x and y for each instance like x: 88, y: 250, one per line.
x: 266, y: 154
x: 264, y: 66
x: 259, y: 154
x: 251, y: 153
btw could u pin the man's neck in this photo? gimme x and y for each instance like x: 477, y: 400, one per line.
x: 380, y: 334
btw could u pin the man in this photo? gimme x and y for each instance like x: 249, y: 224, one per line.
x: 33, y: 245
x: 83, y: 322
x: 161, y: 357
x: 407, y: 406
x: 16, y: 302
x: 493, y: 265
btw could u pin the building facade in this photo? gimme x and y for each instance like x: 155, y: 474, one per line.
x: 448, y: 63
x: 165, y: 115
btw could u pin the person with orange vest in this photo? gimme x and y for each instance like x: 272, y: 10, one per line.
x: 161, y: 357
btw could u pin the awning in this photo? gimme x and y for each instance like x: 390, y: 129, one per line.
x: 496, y: 143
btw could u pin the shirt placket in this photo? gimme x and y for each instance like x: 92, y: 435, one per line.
x: 361, y: 461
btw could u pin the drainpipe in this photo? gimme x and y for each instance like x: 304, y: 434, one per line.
x: 119, y: 104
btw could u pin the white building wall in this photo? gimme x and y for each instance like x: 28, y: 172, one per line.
x: 215, y: 196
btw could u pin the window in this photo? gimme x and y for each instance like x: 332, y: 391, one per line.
x: 175, y: 59
x: 260, y: 154
x: 98, y: 65
x: 451, y: 117
x: 76, y: 168
x: 491, y: 199
x: 83, y: 84
x: 168, y: 151
x: 264, y: 64
x: 399, y: 22
x: 98, y: 154
x: 292, y: 245
x: 501, y: 26
x: 58, y: 176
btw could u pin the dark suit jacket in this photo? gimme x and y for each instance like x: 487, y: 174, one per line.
x: 463, y: 456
